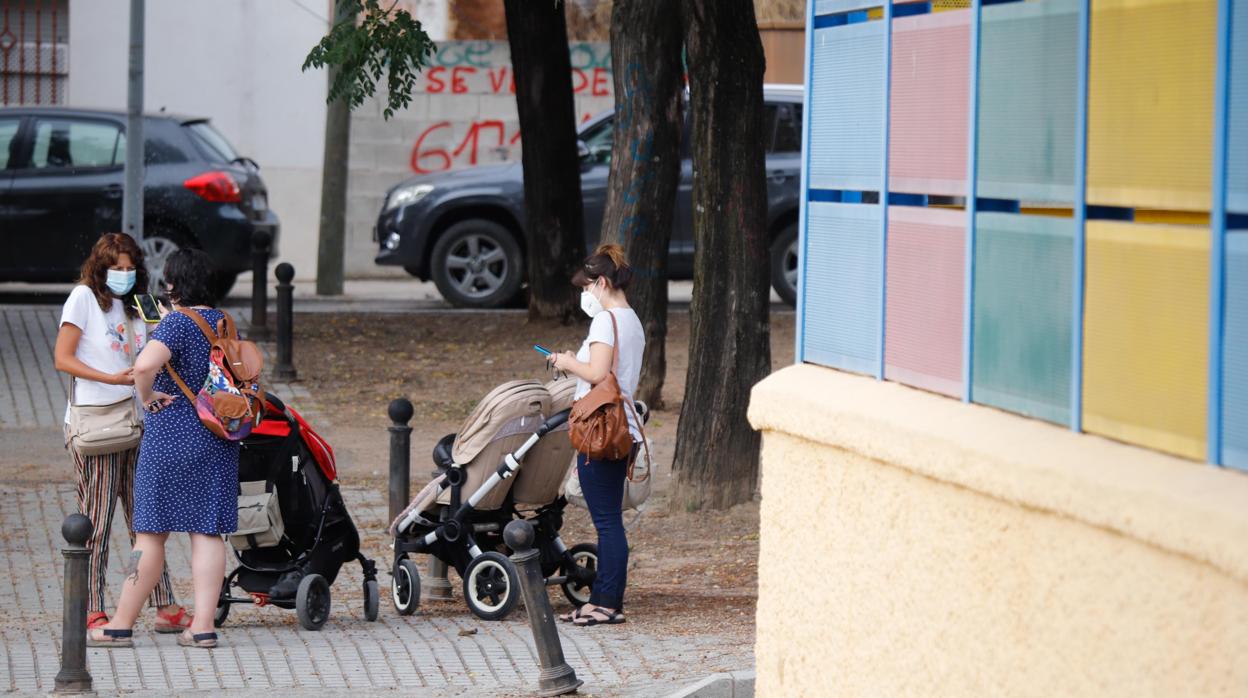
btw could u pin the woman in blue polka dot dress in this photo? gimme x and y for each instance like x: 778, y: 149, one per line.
x: 187, y: 477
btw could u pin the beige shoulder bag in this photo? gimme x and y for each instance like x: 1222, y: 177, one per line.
x: 96, y: 430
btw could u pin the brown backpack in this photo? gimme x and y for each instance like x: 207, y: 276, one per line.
x: 598, y: 423
x: 229, y: 404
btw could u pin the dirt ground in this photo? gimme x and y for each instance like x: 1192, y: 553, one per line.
x: 688, y: 572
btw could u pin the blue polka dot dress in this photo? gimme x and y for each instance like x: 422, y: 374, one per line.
x: 187, y: 477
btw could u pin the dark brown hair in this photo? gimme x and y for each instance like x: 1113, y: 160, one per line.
x: 190, y: 273
x: 94, y: 275
x: 607, y: 262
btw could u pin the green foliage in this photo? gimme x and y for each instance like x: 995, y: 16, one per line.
x: 367, y: 43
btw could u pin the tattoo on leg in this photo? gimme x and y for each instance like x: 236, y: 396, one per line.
x: 131, y: 569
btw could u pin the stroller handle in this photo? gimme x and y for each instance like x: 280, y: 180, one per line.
x: 553, y: 422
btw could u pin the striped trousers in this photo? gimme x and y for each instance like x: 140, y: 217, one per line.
x: 102, y: 480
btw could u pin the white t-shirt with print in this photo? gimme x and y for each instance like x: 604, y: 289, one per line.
x: 632, y: 347
x: 109, y: 340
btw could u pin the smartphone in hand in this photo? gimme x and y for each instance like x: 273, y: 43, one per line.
x: 542, y: 350
x: 148, y: 309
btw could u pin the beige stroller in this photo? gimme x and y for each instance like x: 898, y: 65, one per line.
x: 507, y: 461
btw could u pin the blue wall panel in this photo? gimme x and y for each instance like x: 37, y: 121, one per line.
x: 1235, y: 353
x: 842, y: 286
x: 847, y: 107
x: 1237, y: 152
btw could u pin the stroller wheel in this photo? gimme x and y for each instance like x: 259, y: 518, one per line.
x: 312, y: 602
x: 580, y: 581
x: 372, y: 600
x: 223, y: 607
x: 223, y: 612
x: 491, y: 586
x: 405, y: 587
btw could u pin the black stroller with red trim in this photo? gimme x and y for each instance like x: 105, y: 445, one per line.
x: 287, y: 472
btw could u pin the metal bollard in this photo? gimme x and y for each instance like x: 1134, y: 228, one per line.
x: 285, y: 368
x: 261, y: 243
x: 556, y: 677
x: 401, y: 411
x: 74, y: 677
x: 437, y: 587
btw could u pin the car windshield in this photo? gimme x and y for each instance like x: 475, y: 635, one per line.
x: 597, y: 139
x: 211, y: 141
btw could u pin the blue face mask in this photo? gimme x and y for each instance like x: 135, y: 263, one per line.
x: 120, y: 282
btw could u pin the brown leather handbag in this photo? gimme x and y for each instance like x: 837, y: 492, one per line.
x: 598, y: 422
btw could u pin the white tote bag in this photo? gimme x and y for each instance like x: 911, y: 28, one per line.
x: 636, y: 490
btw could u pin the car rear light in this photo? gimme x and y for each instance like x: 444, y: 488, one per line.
x: 217, y: 187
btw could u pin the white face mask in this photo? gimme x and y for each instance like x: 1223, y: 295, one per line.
x: 590, y: 303
x: 120, y: 282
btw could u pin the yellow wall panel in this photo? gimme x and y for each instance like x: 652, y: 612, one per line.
x: 1146, y: 333
x: 1150, y: 103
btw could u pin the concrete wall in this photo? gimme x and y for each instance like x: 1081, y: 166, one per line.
x: 913, y: 545
x: 463, y: 114
x: 235, y: 61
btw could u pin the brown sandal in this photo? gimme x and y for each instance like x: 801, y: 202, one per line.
x: 110, y: 637
x: 202, y: 640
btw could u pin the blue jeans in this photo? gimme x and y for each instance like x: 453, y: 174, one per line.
x: 602, y: 483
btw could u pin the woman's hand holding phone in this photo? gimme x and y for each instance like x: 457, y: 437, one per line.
x: 562, y: 360
x: 158, y: 402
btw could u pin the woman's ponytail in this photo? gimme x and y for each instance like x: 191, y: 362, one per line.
x: 607, y: 261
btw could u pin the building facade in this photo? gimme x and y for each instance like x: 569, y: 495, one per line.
x: 1033, y: 214
x: 238, y: 62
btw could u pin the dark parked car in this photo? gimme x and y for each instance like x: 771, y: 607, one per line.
x: 464, y: 229
x: 61, y: 179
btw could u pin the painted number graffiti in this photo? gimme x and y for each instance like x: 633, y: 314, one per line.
x: 432, y: 153
x: 427, y: 159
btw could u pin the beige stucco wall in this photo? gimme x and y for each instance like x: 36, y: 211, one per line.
x: 914, y: 545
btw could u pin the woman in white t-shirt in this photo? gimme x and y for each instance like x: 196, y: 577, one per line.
x: 603, y: 279
x: 99, y: 337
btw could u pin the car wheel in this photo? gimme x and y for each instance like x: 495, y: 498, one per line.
x: 477, y: 264
x: 157, y: 248
x: 784, y: 264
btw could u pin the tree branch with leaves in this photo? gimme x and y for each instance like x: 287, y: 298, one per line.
x: 368, y: 43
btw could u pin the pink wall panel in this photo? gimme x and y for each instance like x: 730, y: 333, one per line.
x: 929, y: 107
x: 924, y: 304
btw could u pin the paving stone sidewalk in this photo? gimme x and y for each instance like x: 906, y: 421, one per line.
x: 33, y: 392
x: 431, y: 653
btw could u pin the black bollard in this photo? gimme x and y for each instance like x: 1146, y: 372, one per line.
x: 285, y: 368
x: 556, y: 677
x: 401, y: 411
x: 261, y: 243
x: 74, y: 677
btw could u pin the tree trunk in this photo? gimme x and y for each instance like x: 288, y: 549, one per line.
x: 331, y: 240
x: 538, y: 36
x: 716, y: 464
x: 645, y: 165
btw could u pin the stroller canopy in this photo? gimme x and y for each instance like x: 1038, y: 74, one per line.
x: 561, y: 391
x: 279, y: 420
x: 511, y: 400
